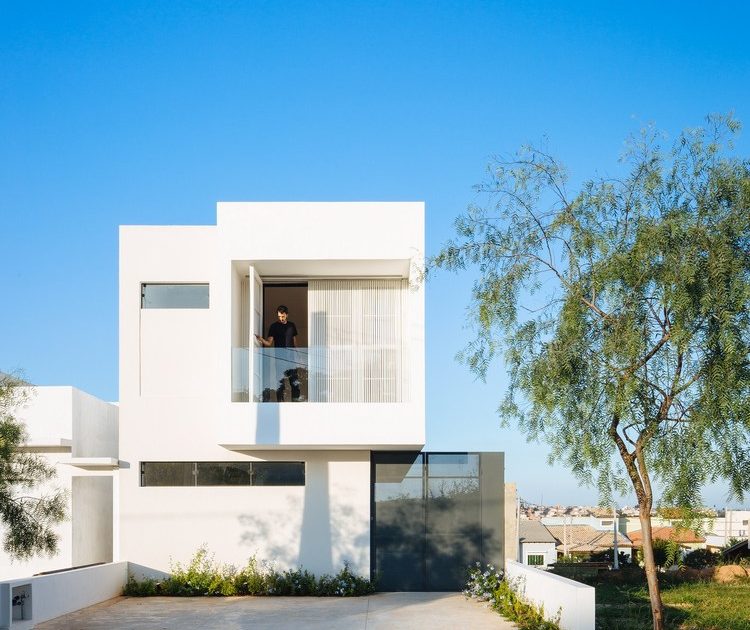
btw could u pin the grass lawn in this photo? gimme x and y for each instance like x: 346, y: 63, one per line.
x: 689, y: 606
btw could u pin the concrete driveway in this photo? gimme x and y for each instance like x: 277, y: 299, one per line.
x: 383, y: 610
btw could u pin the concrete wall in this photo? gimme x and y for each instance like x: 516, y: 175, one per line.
x: 317, y: 526
x: 61, y: 593
x: 64, y: 422
x: 94, y: 426
x: 511, y: 521
x: 575, y: 602
x: 48, y: 414
x: 92, y: 501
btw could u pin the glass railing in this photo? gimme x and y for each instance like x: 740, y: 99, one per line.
x: 280, y: 375
x: 333, y: 374
x: 240, y: 374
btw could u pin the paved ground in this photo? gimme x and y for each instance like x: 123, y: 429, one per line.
x: 449, y: 611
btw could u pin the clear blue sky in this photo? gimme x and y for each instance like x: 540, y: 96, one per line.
x: 149, y: 113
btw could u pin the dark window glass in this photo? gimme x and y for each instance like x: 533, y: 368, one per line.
x: 167, y: 474
x: 278, y: 473
x: 174, y: 296
x: 222, y: 473
x: 225, y: 473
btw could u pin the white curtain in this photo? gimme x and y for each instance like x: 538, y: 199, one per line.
x: 357, y: 340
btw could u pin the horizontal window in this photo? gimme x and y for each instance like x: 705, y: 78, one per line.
x: 535, y: 560
x: 222, y: 473
x: 174, y: 295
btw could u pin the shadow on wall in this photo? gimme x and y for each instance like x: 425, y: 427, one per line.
x: 430, y: 551
x: 267, y: 426
x: 141, y: 572
x: 321, y: 540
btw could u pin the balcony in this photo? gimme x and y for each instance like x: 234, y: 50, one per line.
x: 338, y: 374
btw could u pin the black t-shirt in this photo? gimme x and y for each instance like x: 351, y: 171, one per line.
x: 283, y: 334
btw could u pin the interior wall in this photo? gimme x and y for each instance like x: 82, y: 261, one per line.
x: 295, y: 299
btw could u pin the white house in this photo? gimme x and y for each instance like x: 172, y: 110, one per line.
x: 77, y: 434
x: 306, y: 456
x: 536, y: 545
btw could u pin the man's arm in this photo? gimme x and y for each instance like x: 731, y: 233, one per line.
x: 267, y: 343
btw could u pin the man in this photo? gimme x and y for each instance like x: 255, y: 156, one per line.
x: 283, y: 334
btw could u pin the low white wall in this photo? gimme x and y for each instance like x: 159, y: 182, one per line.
x: 62, y: 593
x: 575, y: 601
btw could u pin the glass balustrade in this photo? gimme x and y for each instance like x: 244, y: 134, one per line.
x: 333, y: 374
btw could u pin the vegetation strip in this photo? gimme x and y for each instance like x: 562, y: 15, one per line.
x: 205, y: 577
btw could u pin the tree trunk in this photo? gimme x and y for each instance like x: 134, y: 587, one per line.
x: 657, y: 608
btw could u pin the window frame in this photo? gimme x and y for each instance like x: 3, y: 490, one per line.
x: 176, y: 284
x: 195, y: 465
x: 535, y: 564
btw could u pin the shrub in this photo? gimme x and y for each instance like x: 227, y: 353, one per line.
x: 344, y: 584
x: 700, y: 559
x: 204, y: 576
x: 488, y: 585
x: 145, y: 588
x: 569, y: 560
x: 251, y: 580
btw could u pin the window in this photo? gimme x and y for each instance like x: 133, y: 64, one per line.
x: 174, y: 295
x: 744, y: 522
x: 222, y: 474
x: 606, y: 523
x: 535, y: 560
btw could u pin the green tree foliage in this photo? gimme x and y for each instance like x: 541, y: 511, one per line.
x: 622, y: 311
x: 27, y: 516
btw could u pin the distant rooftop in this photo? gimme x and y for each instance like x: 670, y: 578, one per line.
x: 533, y: 532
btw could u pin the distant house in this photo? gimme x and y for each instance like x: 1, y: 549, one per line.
x: 687, y: 538
x: 583, y: 540
x: 536, y: 545
x: 737, y: 551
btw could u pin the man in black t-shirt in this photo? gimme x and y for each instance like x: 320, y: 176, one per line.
x: 283, y: 334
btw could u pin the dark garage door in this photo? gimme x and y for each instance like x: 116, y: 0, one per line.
x: 433, y: 514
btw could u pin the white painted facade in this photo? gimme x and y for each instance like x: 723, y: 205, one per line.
x: 546, y: 549
x: 77, y: 434
x: 178, y: 384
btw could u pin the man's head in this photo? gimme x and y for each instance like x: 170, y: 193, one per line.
x: 282, y: 312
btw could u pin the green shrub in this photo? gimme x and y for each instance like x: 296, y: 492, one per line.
x: 344, y: 584
x: 251, y: 580
x: 701, y: 558
x: 489, y: 585
x: 145, y: 588
x: 204, y: 576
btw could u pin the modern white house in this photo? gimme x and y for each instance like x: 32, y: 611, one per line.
x: 302, y: 456
x: 77, y: 434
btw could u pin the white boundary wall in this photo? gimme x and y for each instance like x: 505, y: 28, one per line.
x: 62, y: 593
x: 576, y: 602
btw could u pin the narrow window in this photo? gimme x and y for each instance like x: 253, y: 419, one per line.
x: 167, y: 474
x: 222, y: 474
x: 155, y: 295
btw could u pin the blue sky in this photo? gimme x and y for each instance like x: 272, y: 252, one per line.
x: 149, y: 113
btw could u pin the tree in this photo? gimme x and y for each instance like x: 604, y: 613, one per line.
x: 622, y: 312
x: 28, y: 519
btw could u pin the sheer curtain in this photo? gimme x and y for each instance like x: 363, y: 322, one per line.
x: 357, y: 340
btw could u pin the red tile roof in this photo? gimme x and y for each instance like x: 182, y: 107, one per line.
x: 667, y: 533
